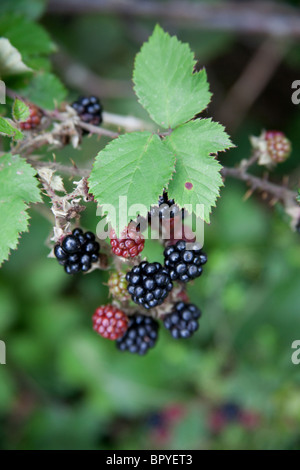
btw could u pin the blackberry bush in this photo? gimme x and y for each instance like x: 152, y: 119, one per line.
x: 140, y: 336
x: 182, y: 264
x: 77, y: 252
x: 149, y: 284
x: 182, y: 321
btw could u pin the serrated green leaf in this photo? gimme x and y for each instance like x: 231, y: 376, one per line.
x: 45, y: 90
x: 25, y: 35
x: 11, y: 62
x: 137, y: 165
x: 6, y: 128
x: 165, y: 83
x: 13, y: 220
x: 20, y: 110
x: 18, y: 187
x: 197, y: 177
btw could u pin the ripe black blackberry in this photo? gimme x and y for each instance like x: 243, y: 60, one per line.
x: 89, y: 109
x: 163, y: 210
x: 78, y: 251
x: 182, y: 264
x: 149, y: 284
x: 183, y: 320
x: 140, y: 336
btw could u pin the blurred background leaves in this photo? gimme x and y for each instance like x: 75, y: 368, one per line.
x: 65, y: 387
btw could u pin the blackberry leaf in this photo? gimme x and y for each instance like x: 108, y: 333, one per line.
x: 18, y: 187
x: 137, y: 165
x: 165, y: 83
x: 197, y: 178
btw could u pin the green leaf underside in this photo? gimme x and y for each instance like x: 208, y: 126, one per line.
x: 45, y: 89
x: 9, y: 130
x: 18, y: 187
x: 137, y: 165
x: 165, y: 83
x: 192, y: 144
x: 11, y: 62
x: 20, y: 110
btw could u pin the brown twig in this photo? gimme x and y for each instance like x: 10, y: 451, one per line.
x: 268, y: 18
x: 275, y: 190
x: 79, y: 76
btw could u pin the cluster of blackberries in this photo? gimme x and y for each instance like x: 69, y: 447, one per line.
x: 89, y: 109
x: 182, y: 264
x: 138, y: 333
x: 78, y: 251
x: 149, y: 284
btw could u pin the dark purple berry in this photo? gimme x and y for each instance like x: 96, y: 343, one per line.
x: 182, y: 321
x: 149, y: 284
x: 140, y: 336
x: 182, y: 264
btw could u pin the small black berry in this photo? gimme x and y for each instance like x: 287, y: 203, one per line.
x: 182, y: 264
x: 140, y: 336
x: 183, y: 320
x: 78, y: 251
x: 149, y: 284
x: 89, y: 109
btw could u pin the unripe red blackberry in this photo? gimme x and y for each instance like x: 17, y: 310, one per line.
x: 110, y: 322
x: 278, y: 146
x: 118, y: 286
x: 130, y: 243
x: 33, y: 120
x: 271, y: 147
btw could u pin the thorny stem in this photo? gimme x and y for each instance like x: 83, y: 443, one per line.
x: 256, y: 183
x: 280, y: 193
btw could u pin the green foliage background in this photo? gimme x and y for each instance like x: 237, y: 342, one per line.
x: 65, y: 387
